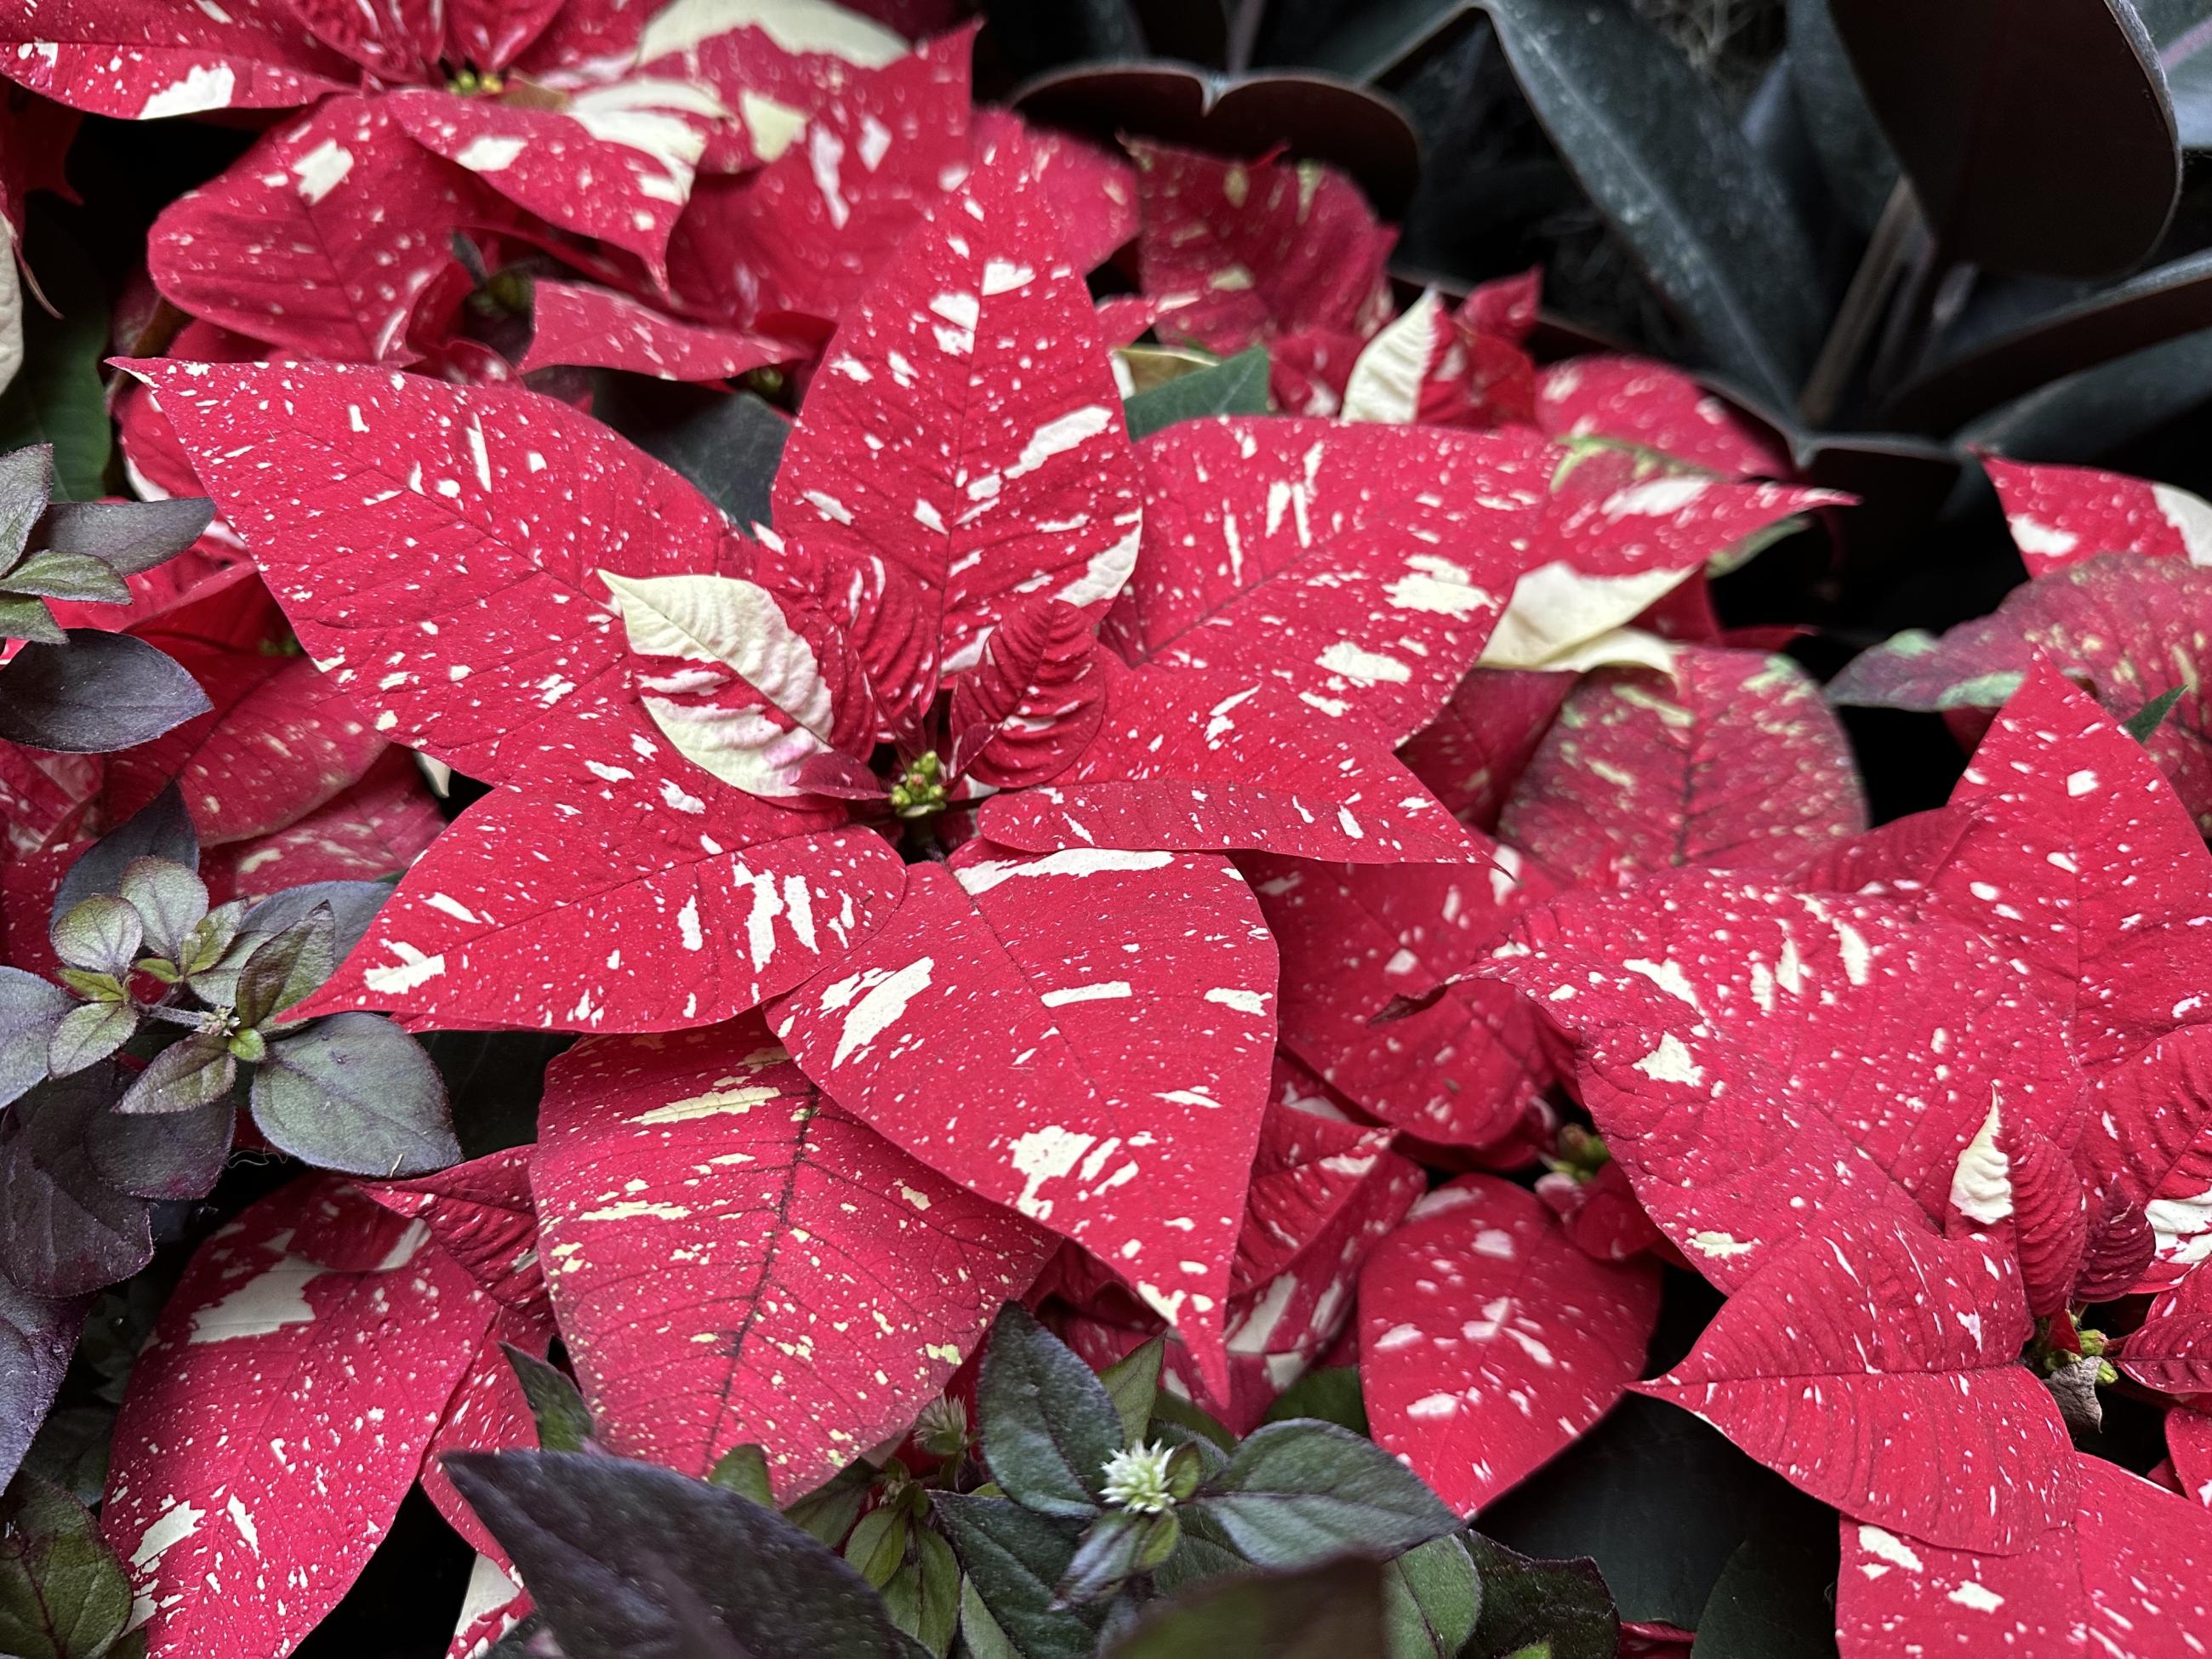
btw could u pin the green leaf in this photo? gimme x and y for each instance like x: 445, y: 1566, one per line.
x: 63, y: 1593
x: 183, y: 1078
x: 923, y: 1597
x: 1544, y: 1609
x: 564, y: 1421
x: 1047, y: 1423
x: 50, y: 574
x: 1331, y: 1611
x: 356, y: 1094
x: 56, y: 396
x: 88, y: 1035
x: 1015, y: 1558
x: 878, y: 1544
x: 979, y: 1630
x: 1114, y: 1548
x: 1774, y: 1600
x: 287, y: 968
x: 1432, y: 1597
x: 1235, y: 386
x: 743, y: 1470
x: 97, y: 987
x: 1133, y: 1383
x: 205, y: 944
x: 22, y: 618
x: 729, y: 444
x: 828, y: 1512
x: 72, y: 1450
x: 101, y: 935
x: 1171, y: 1408
x: 1330, y: 1394
x: 171, y: 901
x: 30, y: 1008
x: 1660, y: 158
x: 25, y: 479
x: 1297, y: 1493
x: 2148, y: 718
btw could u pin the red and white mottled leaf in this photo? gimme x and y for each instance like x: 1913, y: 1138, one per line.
x: 1732, y: 762
x: 1761, y: 1061
x: 2014, y: 1178
x: 1234, y: 253
x: 438, y: 548
x: 279, y: 1416
x: 1092, y: 195
x: 1428, y: 367
x: 280, y: 740
x: 1033, y: 703
x: 488, y: 1412
x: 1895, y: 858
x: 491, y: 34
x: 397, y: 42
x: 503, y: 922
x: 1310, y: 1162
x: 141, y: 61
x: 2121, y: 1578
x: 42, y: 797
x: 1472, y: 753
x: 614, y: 162
x: 1356, y: 938
x: 480, y: 1214
x: 1084, y: 1036
x: 1599, y: 1213
x: 965, y: 428
x: 2061, y: 515
x: 320, y: 238
x: 1489, y: 1343
x: 1362, y: 568
x: 1639, y: 401
x: 492, y: 1605
x: 376, y: 829
x: 579, y: 325
x: 2128, y: 627
x: 734, y: 1259
x: 1193, y: 760
x: 1308, y: 372
x: 1877, y: 1368
x: 810, y: 232
x: 2188, y: 1443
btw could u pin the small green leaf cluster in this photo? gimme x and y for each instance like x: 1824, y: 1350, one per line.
x: 76, y: 551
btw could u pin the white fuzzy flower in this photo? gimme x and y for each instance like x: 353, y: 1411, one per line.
x: 1137, y: 1480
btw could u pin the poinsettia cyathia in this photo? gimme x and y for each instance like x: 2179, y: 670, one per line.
x: 709, y: 753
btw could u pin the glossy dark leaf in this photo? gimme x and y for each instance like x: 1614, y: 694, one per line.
x: 1015, y: 1559
x: 62, y: 1593
x: 1297, y: 1493
x: 1333, y: 1611
x: 1556, y: 1609
x: 30, y: 1008
x: 172, y: 1155
x: 495, y: 1079
x: 2095, y: 411
x: 1432, y: 1597
x: 1856, y: 160
x: 127, y: 536
x: 2037, y: 137
x: 356, y: 1094
x: 1651, y: 143
x: 37, y: 1335
x: 631, y: 1561
x: 96, y: 694
x: 161, y: 829
x: 1237, y: 385
x: 64, y: 1231
x: 184, y: 1077
x: 729, y: 444
x: 56, y: 397
x: 564, y: 1421
x: 1047, y: 1423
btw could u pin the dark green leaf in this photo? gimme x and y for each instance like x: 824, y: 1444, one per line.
x: 285, y: 967
x: 173, y: 1155
x: 1201, y: 1553
x: 50, y: 574
x: 161, y: 829
x: 103, y: 934
x: 63, y: 1593
x: 1856, y: 160
x: 2095, y: 411
x: 1133, y: 1383
x: 72, y: 1450
x: 89, y: 1034
x: 1659, y: 155
x: 2152, y: 715
x: 1992, y: 106
x: 495, y: 1079
x: 22, y: 618
x: 1046, y: 1423
x: 1543, y: 1609
x: 1330, y: 1394
x: 1775, y: 1597
x: 25, y: 475
x: 1295, y: 1493
x: 564, y: 1421
x: 1331, y: 1611
x: 1113, y: 1549
x: 30, y: 1008
x: 205, y: 945
x: 37, y: 1335
x: 742, y: 1469
x: 729, y: 444
x: 356, y: 1094
x: 64, y: 1231
x: 56, y: 396
x: 1659, y: 1498
x: 923, y: 1597
x: 627, y: 1559
x: 828, y: 1512
x: 97, y: 693
x: 1015, y: 1558
x: 170, y: 900
x: 183, y: 1078
x: 1378, y: 36
x: 127, y: 536
x: 352, y: 904
x: 1169, y: 1407
x: 1431, y: 1599
x: 1235, y: 386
